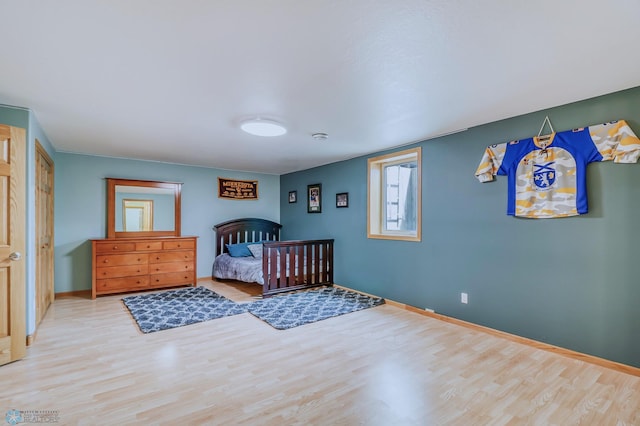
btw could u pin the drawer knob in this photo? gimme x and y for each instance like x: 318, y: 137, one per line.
x: 115, y: 247
x: 106, y: 261
x: 157, y: 280
x: 148, y: 245
x: 157, y: 257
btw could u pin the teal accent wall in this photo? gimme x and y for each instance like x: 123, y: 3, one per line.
x: 14, y: 116
x: 570, y: 282
x: 81, y: 197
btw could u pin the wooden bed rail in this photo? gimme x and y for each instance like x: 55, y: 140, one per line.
x: 294, y: 265
x: 286, y: 265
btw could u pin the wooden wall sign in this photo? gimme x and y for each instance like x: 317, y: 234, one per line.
x: 237, y: 189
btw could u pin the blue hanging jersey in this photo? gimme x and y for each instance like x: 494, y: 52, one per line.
x: 547, y: 175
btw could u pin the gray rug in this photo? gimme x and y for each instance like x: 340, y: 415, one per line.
x: 169, y: 309
x: 292, y: 310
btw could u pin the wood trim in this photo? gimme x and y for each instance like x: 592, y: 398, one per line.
x: 85, y: 294
x: 375, y: 198
x: 44, y: 152
x: 49, y: 274
x: 111, y: 206
x: 394, y: 237
x: 144, y: 234
x: 616, y: 366
x: 31, y: 338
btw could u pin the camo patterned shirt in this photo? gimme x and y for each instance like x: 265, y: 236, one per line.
x: 547, y: 175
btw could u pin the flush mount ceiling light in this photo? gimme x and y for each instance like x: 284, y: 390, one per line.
x: 263, y: 127
x: 320, y: 136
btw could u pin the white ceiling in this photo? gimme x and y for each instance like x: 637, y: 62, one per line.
x: 169, y: 80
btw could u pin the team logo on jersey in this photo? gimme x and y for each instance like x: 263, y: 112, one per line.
x: 544, y: 175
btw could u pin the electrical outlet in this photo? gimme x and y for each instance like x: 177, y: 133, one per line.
x: 464, y: 298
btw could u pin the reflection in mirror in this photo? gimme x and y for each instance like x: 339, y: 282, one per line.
x: 139, y: 208
x: 137, y: 215
x: 160, y: 208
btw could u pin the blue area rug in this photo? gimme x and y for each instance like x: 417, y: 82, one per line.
x: 291, y: 310
x: 169, y: 309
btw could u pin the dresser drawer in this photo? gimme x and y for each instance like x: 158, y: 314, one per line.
x: 161, y: 268
x: 121, y: 259
x: 149, y: 245
x: 114, y: 247
x: 180, y: 244
x: 121, y: 271
x: 115, y: 285
x: 171, y: 256
x: 173, y: 278
x: 138, y: 264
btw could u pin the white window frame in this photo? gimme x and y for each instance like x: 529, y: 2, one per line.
x: 375, y: 195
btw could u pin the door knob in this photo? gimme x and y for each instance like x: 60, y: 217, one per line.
x: 15, y: 256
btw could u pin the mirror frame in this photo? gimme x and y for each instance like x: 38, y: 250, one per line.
x: 111, y: 207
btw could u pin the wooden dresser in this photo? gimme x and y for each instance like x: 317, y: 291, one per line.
x: 136, y: 264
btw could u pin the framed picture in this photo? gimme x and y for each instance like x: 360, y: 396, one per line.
x: 293, y: 197
x: 235, y: 189
x: 314, y: 198
x: 342, y: 199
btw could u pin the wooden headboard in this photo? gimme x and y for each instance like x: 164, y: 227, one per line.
x: 245, y: 230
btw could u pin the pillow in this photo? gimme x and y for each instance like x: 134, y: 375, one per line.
x: 256, y: 250
x: 239, y: 250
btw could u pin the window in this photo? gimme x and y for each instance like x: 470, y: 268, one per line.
x: 395, y: 196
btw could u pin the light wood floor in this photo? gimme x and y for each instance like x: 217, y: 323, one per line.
x: 381, y: 366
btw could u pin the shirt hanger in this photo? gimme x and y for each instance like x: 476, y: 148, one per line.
x: 548, y: 136
x: 544, y: 140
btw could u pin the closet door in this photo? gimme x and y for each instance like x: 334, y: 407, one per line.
x: 44, y: 232
x: 12, y: 243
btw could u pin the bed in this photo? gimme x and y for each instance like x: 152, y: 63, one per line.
x: 279, y: 266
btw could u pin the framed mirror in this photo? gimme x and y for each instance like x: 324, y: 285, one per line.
x: 142, y: 208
